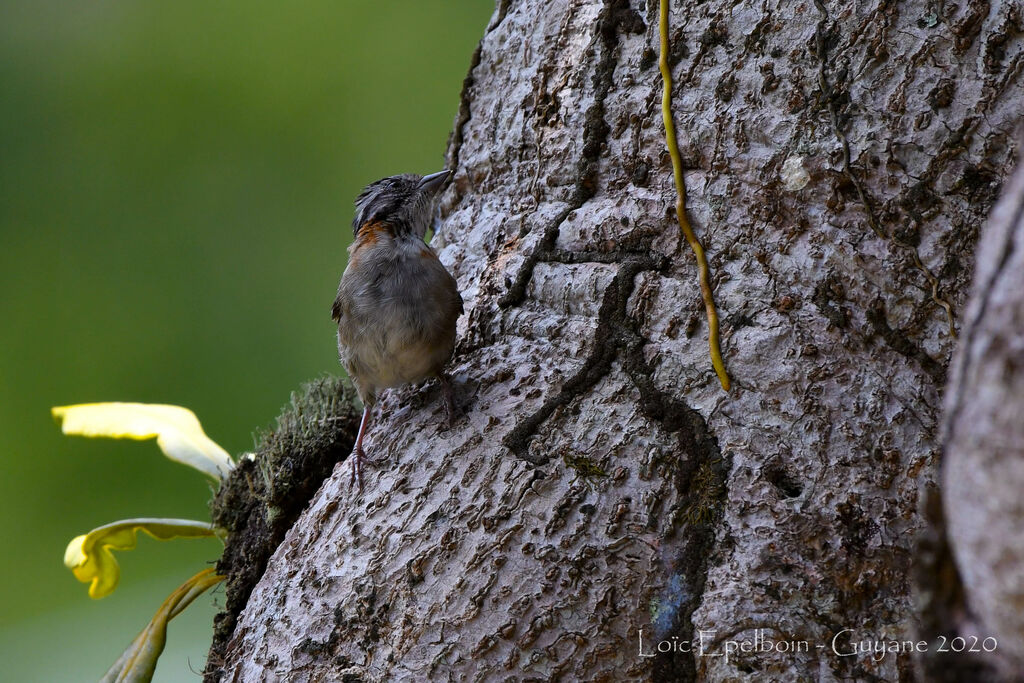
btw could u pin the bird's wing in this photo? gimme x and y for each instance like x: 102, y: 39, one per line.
x: 336, y: 308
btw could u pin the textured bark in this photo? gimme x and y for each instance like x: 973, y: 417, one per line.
x: 983, y: 468
x: 840, y: 158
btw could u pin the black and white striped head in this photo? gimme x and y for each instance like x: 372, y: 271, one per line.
x: 404, y: 202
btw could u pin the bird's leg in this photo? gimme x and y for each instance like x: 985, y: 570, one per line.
x: 358, y: 456
x: 448, y: 395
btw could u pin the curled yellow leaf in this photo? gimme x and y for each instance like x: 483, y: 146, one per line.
x: 177, y: 431
x: 90, y: 555
x: 138, y: 663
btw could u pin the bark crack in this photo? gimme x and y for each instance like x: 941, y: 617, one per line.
x: 616, y: 14
x: 611, y: 336
x: 700, y: 472
x: 700, y: 480
x: 612, y: 310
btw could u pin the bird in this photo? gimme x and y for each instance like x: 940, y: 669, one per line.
x: 397, y: 305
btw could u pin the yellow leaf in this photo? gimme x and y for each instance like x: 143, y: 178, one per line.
x: 138, y: 662
x: 177, y: 431
x: 91, y: 559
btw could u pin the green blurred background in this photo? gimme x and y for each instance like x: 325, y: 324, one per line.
x: 176, y: 184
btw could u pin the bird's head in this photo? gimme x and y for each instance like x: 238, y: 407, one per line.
x: 403, y: 202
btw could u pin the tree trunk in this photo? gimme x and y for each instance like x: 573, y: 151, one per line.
x: 604, y: 511
x: 973, y: 583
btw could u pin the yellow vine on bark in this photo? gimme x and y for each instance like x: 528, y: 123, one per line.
x: 684, y: 223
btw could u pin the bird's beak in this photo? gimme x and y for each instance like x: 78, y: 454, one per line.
x: 434, y: 181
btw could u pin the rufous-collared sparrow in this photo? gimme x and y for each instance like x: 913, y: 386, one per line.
x: 397, y: 304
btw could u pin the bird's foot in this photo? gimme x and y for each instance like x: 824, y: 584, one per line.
x: 358, y: 457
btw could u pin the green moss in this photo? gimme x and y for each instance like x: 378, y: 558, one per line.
x: 265, y: 494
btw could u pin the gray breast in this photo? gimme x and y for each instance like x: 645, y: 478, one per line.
x: 399, y: 308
